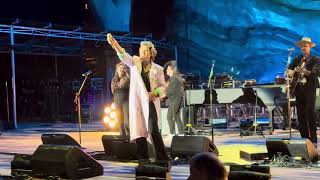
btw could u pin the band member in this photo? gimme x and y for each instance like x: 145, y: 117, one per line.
x: 120, y: 90
x: 147, y: 86
x: 307, y: 67
x: 175, y: 96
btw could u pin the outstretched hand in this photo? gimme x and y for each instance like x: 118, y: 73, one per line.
x: 114, y: 43
x: 111, y: 40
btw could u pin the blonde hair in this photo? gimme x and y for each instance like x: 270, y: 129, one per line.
x: 150, y: 45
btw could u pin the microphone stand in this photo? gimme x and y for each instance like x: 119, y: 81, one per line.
x: 8, y: 107
x: 211, y: 106
x: 77, y: 99
x: 189, y: 125
x: 288, y: 92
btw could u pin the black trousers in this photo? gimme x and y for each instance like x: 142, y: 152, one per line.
x: 142, y: 146
x: 173, y: 117
x: 305, y: 101
x: 121, y: 99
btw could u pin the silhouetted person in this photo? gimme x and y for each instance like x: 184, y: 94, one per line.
x: 206, y: 166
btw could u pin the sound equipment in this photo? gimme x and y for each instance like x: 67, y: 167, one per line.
x: 295, y: 147
x: 248, y: 175
x: 184, y: 146
x: 253, y: 167
x: 59, y: 139
x: 253, y: 156
x: 21, y: 164
x: 65, y: 162
x: 119, y: 147
x: 152, y: 171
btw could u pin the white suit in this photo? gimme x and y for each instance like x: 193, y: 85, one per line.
x: 138, y: 96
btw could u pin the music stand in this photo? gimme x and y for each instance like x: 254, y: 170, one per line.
x: 255, y: 124
x: 190, y: 130
x: 211, y: 103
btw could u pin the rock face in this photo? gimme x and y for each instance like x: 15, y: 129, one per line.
x: 248, y: 39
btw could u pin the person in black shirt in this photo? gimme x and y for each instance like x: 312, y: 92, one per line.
x: 175, y: 96
x: 120, y: 89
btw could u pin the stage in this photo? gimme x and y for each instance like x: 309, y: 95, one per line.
x: 26, y: 139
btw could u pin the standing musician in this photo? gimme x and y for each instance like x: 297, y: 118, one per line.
x: 147, y: 85
x: 120, y: 90
x: 306, y: 69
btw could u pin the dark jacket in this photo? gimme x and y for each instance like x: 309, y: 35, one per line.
x: 175, y: 91
x: 313, y: 65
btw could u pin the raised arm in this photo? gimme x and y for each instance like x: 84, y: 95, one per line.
x: 121, y: 52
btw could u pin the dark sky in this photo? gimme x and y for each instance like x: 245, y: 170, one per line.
x: 148, y: 16
x: 56, y: 11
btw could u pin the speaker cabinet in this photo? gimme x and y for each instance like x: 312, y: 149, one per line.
x: 59, y: 139
x: 184, y: 146
x: 295, y: 147
x: 119, y: 147
x: 65, y: 162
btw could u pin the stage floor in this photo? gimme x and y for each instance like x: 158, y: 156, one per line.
x: 26, y: 139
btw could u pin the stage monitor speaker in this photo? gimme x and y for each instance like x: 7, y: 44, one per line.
x: 252, y: 168
x: 59, y: 139
x: 184, y: 146
x: 119, y: 147
x: 65, y: 162
x: 295, y: 147
x: 248, y: 175
x: 21, y: 164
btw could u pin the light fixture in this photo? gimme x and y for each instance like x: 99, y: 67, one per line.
x: 110, y: 118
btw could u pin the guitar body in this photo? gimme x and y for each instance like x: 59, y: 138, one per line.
x: 298, y: 78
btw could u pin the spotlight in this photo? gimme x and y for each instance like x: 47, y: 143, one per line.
x: 110, y: 118
x: 113, y: 106
x: 113, y: 114
x: 112, y: 124
x: 107, y: 110
x: 106, y: 119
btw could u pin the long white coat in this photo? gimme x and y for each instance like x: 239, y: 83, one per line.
x: 138, y: 96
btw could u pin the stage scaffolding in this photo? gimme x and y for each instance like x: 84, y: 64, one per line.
x: 14, y: 30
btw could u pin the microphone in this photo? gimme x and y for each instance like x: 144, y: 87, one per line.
x: 291, y: 49
x: 87, y: 73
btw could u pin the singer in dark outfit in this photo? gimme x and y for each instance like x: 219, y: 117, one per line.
x: 175, y: 97
x: 306, y: 94
x: 120, y: 90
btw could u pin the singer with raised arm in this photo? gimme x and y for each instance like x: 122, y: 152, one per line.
x: 147, y: 86
x: 305, y: 70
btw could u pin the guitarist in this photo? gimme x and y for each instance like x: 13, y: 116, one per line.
x: 307, y: 67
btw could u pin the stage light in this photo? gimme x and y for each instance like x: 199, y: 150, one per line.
x: 107, y: 110
x: 113, y: 106
x: 110, y: 118
x: 112, y: 124
x: 113, y: 115
x: 106, y: 119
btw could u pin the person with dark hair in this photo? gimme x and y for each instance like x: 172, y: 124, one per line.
x: 147, y: 86
x: 120, y: 90
x: 207, y: 166
x: 175, y: 96
x: 307, y: 68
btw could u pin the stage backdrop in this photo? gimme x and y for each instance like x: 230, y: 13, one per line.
x: 248, y: 38
x: 113, y: 15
